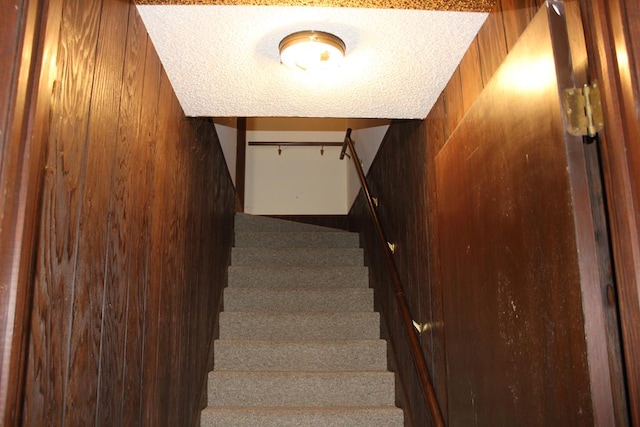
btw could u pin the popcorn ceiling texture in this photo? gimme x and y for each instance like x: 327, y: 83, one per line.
x: 448, y: 5
x: 224, y: 60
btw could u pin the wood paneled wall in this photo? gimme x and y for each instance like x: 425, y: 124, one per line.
x: 403, y: 178
x: 134, y: 234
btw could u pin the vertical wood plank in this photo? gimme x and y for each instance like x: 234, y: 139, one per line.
x: 453, y: 103
x: 241, y: 155
x: 132, y: 136
x: 492, y: 43
x: 153, y: 334
x: 118, y: 359
x: 51, y: 320
x: 470, y: 76
x: 162, y: 237
x: 180, y: 151
x: 516, y: 15
x: 142, y: 272
x: 88, y: 341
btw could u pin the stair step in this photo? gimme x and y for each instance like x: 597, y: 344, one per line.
x: 297, y: 299
x: 298, y: 338
x: 298, y: 239
x: 379, y: 416
x: 297, y: 256
x: 299, y: 326
x: 246, y: 222
x: 329, y: 276
x: 262, y: 355
x: 294, y: 389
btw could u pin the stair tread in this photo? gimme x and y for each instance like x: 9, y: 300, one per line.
x: 334, y: 416
x: 300, y: 388
x: 296, y: 239
x: 302, y: 342
x: 298, y: 276
x: 248, y: 222
x: 301, y: 314
x: 325, y: 355
x: 294, y: 257
x: 336, y: 408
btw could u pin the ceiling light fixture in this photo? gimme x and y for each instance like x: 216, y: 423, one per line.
x: 309, y: 50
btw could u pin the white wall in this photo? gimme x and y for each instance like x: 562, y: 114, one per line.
x: 367, y: 142
x: 228, y: 137
x: 300, y: 180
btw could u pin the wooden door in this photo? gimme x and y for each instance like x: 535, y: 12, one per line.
x: 525, y: 313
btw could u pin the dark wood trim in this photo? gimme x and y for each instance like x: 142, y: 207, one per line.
x: 562, y: 19
x: 614, y: 52
x: 295, y: 144
x: 36, y: 41
x: 241, y: 161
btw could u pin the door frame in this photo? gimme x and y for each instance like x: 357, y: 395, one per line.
x: 29, y: 45
x: 613, y: 46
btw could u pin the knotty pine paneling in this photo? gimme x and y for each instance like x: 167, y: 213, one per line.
x: 408, y: 212
x: 135, y: 235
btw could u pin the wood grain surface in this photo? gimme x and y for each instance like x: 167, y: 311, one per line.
x: 614, y: 49
x: 507, y: 21
x: 507, y: 217
x: 132, y: 247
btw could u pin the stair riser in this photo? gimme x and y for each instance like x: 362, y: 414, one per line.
x: 297, y: 240
x: 250, y: 355
x: 300, y: 389
x: 292, y: 326
x: 351, y: 417
x: 299, y: 276
x: 297, y: 300
x: 297, y: 256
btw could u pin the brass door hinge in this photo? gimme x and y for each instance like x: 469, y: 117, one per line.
x: 583, y: 110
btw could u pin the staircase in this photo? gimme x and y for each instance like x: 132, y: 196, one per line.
x: 299, y: 340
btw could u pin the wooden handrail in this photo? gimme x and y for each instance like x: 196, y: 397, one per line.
x: 414, y: 344
x: 295, y: 143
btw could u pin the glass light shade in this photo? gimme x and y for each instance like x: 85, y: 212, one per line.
x: 311, y: 50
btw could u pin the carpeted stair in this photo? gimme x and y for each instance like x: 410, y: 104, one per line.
x: 299, y: 340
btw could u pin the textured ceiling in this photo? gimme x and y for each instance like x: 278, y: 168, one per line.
x: 223, y: 60
x: 457, y: 5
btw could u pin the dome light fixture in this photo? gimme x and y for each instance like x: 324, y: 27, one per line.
x: 311, y: 50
